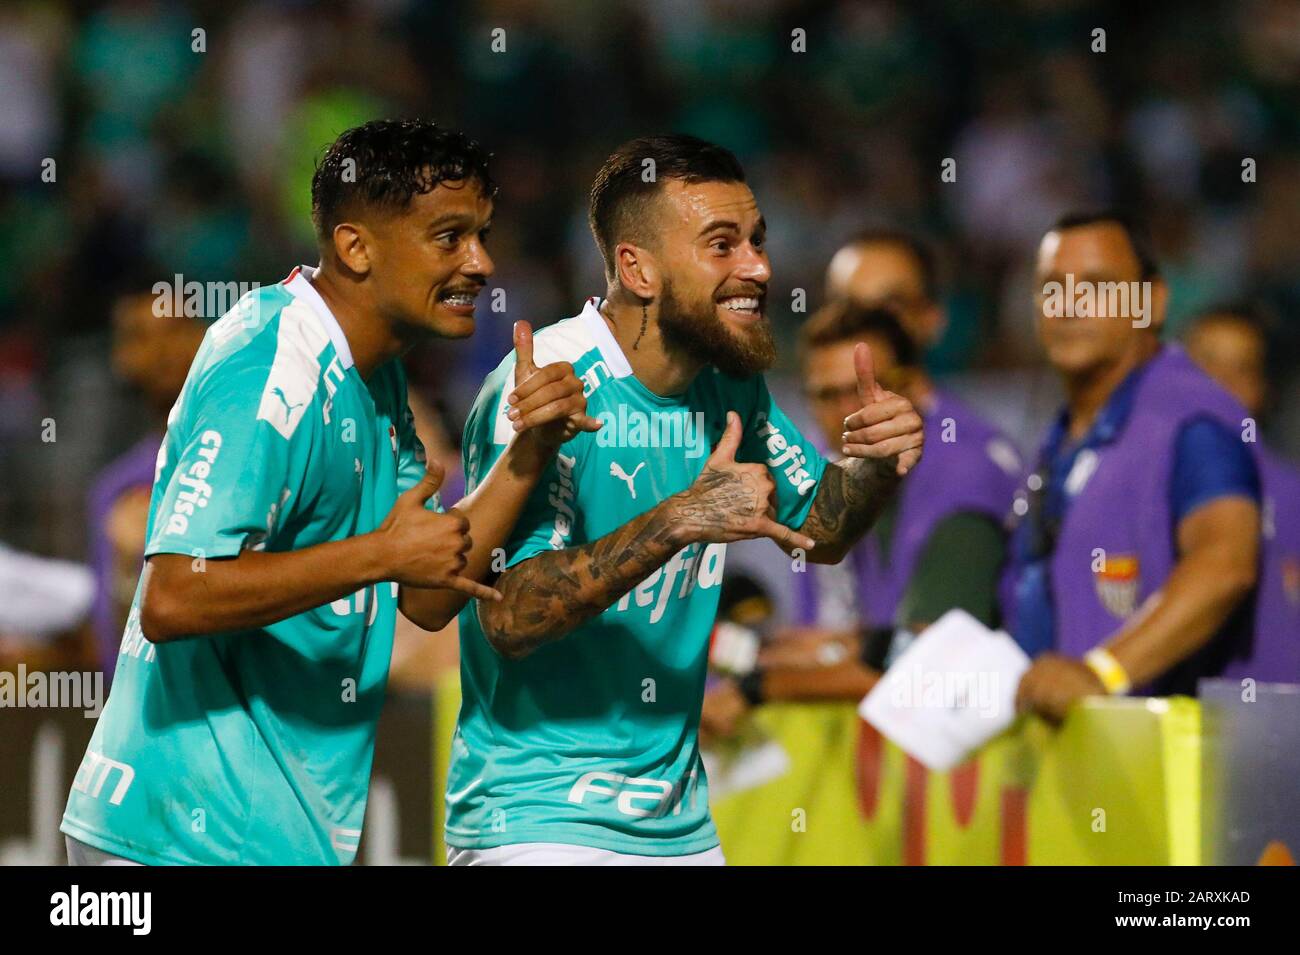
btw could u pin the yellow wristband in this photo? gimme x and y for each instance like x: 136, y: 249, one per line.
x: 1109, y: 671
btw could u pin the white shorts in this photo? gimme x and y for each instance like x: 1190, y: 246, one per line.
x: 81, y: 854
x: 558, y: 853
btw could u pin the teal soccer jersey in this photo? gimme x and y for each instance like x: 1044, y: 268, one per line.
x: 255, y: 746
x: 591, y: 739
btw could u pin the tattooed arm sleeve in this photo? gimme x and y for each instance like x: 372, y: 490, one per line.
x: 850, y: 496
x: 554, y: 592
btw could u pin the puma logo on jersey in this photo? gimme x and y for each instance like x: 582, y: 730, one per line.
x: 288, y: 408
x: 616, y: 470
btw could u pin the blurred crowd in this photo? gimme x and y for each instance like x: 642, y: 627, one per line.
x: 145, y: 140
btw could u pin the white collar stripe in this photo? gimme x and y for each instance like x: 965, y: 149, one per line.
x: 605, y: 341
x: 299, y: 285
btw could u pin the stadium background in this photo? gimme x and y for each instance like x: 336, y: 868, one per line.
x: 175, y: 162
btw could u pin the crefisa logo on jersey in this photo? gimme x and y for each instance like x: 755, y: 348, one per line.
x: 787, y: 458
x: 197, y: 491
x: 560, y: 495
x: 693, y: 565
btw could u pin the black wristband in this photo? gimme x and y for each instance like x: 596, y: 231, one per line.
x: 751, y: 687
x: 875, y: 646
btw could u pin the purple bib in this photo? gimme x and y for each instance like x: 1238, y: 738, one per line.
x: 1117, y: 541
x: 968, y: 467
x: 1274, y: 654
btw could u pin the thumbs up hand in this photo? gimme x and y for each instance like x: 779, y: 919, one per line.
x: 886, y: 427
x: 422, y: 548
x: 524, y: 367
x: 731, y: 501
x: 547, y: 404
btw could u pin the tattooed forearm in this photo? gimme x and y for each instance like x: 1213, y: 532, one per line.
x: 850, y: 497
x: 553, y: 593
x: 717, y: 493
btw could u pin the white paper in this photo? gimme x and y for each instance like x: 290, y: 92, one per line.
x: 41, y: 597
x: 949, y: 693
x: 742, y: 764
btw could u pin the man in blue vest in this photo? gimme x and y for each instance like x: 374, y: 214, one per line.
x: 1231, y: 343
x: 1135, y: 559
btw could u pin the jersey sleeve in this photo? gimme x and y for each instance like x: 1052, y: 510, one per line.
x: 236, y: 474
x: 794, y: 461
x: 411, y: 460
x: 550, y: 519
x: 1210, y: 462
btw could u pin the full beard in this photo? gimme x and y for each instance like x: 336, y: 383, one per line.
x: 696, y: 331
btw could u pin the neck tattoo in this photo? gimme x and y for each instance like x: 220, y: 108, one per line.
x: 644, y: 318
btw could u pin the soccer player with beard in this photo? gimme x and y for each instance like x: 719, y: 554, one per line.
x: 292, y: 516
x: 582, y: 688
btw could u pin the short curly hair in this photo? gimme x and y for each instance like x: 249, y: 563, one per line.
x: 385, y: 163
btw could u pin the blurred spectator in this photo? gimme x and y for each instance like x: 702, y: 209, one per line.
x: 1135, y: 556
x: 854, y: 618
x: 30, y: 120
x: 196, y: 154
x: 131, y: 60
x: 892, y: 270
x: 1231, y: 343
x: 151, y: 353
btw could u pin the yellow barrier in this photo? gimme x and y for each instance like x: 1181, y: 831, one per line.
x: 1117, y: 784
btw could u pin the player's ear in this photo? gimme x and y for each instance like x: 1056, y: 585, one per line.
x: 637, y: 270
x: 352, y: 247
